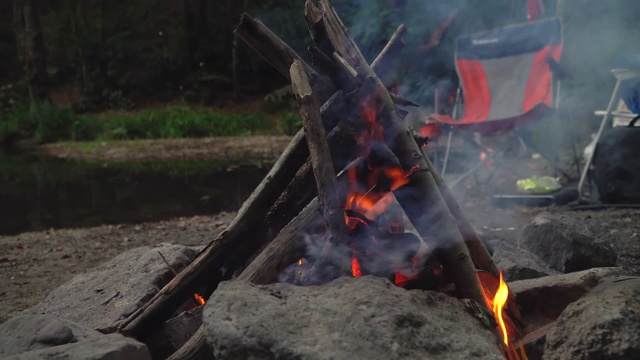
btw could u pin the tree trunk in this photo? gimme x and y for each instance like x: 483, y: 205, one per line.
x: 31, y: 49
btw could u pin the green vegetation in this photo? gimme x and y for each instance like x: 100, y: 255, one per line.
x: 50, y: 123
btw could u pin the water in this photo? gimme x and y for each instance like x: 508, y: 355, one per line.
x: 42, y: 193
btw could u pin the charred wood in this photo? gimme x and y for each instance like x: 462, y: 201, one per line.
x: 421, y: 198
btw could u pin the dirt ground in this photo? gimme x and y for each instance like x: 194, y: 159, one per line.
x: 32, y: 264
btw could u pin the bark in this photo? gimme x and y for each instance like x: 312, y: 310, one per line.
x: 330, y: 201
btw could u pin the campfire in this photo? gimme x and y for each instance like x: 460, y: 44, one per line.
x: 386, y: 212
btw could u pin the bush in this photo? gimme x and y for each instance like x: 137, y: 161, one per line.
x: 8, y: 128
x: 43, y: 120
x: 51, y: 122
x: 290, y: 122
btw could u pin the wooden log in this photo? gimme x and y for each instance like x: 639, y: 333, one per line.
x: 315, y: 23
x: 247, y: 233
x: 284, y: 250
x: 384, y: 62
x: 196, y: 348
x: 330, y: 200
x: 240, y: 239
x: 421, y: 198
x: 280, y: 253
x: 477, y: 250
x: 277, y: 53
x: 329, y: 195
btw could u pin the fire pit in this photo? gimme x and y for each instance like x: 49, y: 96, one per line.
x: 387, y: 212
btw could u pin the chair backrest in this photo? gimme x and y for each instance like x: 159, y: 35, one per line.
x: 505, y: 73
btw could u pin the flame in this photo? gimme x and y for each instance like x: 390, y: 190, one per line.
x: 199, y: 299
x: 484, y: 156
x: 374, y: 201
x: 499, y: 301
x: 356, y: 271
x: 369, y: 114
x: 300, y: 262
x: 402, y: 280
x: 370, y: 187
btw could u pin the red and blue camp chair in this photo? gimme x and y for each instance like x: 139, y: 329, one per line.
x: 506, y: 78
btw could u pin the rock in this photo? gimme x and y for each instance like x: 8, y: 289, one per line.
x: 365, y: 318
x: 518, y: 264
x: 32, y: 332
x: 102, y: 298
x: 604, y: 324
x: 47, y: 337
x: 565, y: 244
x: 549, y: 296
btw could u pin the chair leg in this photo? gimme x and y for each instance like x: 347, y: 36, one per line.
x: 496, y: 157
x: 446, y: 154
x: 605, y: 119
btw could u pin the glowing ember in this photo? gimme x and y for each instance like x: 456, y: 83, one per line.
x: 356, y: 271
x: 499, y: 302
x: 402, y: 280
x: 199, y: 299
x: 300, y: 262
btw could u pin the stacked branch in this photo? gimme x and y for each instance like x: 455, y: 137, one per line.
x: 342, y: 81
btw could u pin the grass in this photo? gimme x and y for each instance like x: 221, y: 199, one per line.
x: 49, y: 123
x: 176, y: 122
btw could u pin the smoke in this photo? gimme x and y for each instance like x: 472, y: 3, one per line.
x: 595, y: 34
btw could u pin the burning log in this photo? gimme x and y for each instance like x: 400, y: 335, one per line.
x: 421, y: 198
x: 243, y: 235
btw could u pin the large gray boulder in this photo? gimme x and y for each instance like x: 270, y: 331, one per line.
x: 47, y: 337
x: 518, y: 264
x: 102, y: 298
x: 565, y: 244
x: 604, y: 324
x: 364, y: 318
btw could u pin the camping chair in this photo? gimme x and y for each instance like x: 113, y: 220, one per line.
x: 626, y: 96
x: 506, y: 78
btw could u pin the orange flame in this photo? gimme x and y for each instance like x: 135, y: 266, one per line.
x: 370, y: 114
x: 300, y: 261
x: 356, y: 271
x: 199, y: 299
x: 499, y: 302
x: 369, y: 192
x: 372, y: 201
